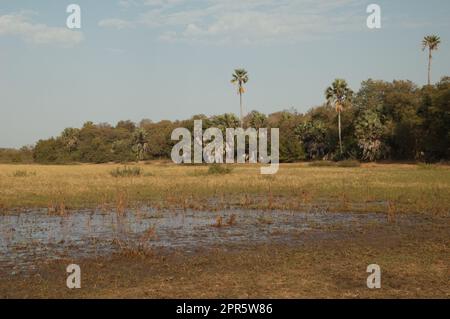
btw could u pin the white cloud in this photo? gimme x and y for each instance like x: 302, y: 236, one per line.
x: 247, y: 21
x: 19, y: 24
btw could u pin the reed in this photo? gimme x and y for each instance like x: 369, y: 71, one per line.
x: 219, y: 222
x: 391, y: 211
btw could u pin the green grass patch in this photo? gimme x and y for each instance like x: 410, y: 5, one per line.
x: 427, y: 166
x: 348, y: 163
x: 21, y: 173
x: 216, y: 169
x: 322, y: 164
x: 126, y: 171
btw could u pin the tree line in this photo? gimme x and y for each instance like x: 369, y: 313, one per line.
x: 382, y: 121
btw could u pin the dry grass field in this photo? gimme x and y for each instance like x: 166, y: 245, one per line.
x: 371, y: 187
x: 413, y: 253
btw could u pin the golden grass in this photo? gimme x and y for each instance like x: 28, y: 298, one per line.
x: 371, y: 187
x: 413, y: 256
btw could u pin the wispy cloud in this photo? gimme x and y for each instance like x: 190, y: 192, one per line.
x: 244, y: 21
x: 20, y: 25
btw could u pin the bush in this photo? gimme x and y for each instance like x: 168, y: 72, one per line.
x: 349, y: 163
x: 219, y: 169
x: 23, y: 155
x: 126, y: 171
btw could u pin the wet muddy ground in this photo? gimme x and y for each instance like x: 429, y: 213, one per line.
x: 29, y: 238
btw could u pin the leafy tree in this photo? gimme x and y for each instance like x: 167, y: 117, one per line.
x: 396, y: 105
x: 369, y: 131
x: 70, y: 138
x: 126, y: 125
x: 224, y: 121
x: 291, y: 149
x: 160, y: 143
x: 256, y: 120
x: 435, y: 125
x: 22, y: 155
x: 313, y: 136
x: 48, y: 151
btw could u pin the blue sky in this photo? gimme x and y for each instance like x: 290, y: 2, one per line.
x: 171, y: 59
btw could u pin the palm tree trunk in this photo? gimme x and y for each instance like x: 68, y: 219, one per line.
x: 339, y: 125
x: 242, y: 111
x: 429, y: 67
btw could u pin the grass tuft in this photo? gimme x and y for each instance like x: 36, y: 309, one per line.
x: 322, y: 164
x: 21, y: 173
x: 427, y: 166
x: 349, y: 163
x: 216, y: 169
x: 126, y: 171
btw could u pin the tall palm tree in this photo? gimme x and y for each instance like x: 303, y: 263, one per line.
x: 240, y: 77
x: 432, y: 43
x: 340, y: 96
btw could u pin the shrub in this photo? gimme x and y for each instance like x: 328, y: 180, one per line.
x: 219, y: 169
x: 126, y: 171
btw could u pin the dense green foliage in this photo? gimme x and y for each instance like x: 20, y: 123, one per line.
x: 384, y: 121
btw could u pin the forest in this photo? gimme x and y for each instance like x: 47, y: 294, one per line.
x: 390, y: 121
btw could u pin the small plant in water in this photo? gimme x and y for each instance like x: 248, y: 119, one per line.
x: 149, y: 234
x: 219, y: 222
x: 265, y: 220
x: 391, y: 211
x: 231, y: 220
x: 56, y: 208
x: 121, y: 203
x: 126, y: 171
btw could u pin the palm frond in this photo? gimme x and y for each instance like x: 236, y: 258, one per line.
x: 240, y: 77
x: 431, y: 42
x: 338, y: 95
